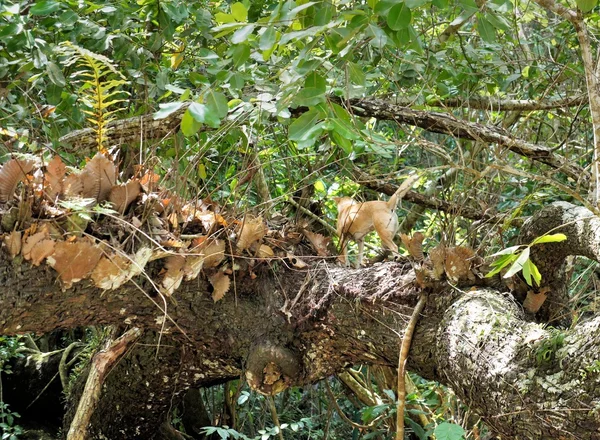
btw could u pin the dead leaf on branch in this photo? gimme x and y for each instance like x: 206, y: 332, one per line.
x: 414, y: 245
x: 251, y: 230
x: 121, y: 196
x: 220, y: 283
x: 319, y: 242
x: 458, y: 263
x: 53, y: 178
x: 74, y: 261
x: 98, y: 177
x: 173, y: 275
x: 12, y: 242
x: 265, y: 252
x: 11, y: 173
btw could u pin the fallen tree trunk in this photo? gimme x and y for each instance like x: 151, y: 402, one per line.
x: 524, y: 380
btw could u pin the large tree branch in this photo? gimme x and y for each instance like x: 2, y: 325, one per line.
x: 448, y: 124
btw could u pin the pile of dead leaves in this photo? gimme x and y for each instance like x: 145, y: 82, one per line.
x: 88, y: 226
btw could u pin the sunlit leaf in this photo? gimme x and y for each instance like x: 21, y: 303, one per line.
x: 552, y: 238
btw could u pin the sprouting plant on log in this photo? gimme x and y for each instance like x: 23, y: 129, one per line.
x: 100, y: 89
x: 519, y: 257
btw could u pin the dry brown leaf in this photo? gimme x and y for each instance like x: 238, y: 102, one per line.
x: 72, y: 186
x: 11, y: 173
x: 98, y: 177
x: 208, y: 220
x: 173, y: 275
x: 114, y: 271
x: 252, y: 230
x: 220, y: 283
x: 458, y: 263
x: 437, y: 255
x: 12, y: 242
x: 32, y: 240
x: 296, y: 262
x: 319, y: 242
x: 265, y: 251
x: 214, y: 252
x: 53, y: 178
x: 534, y: 300
x: 42, y: 250
x: 149, y: 181
x: 74, y: 261
x: 109, y: 271
x: 414, y: 245
x: 122, y: 195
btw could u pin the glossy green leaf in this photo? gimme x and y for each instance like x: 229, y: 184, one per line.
x: 241, y: 35
x: 202, y: 113
x: 217, y: 102
x: 357, y: 76
x: 508, y: 250
x: 486, y: 30
x: 399, y: 17
x: 415, y: 3
x: 240, y: 55
x: 239, y: 11
x: 304, y: 127
x: 518, y: 264
x: 44, y: 7
x: 268, y: 38
x: 552, y: 238
x: 189, y: 125
x: 55, y: 74
x: 167, y: 109
x: 449, y: 431
x: 500, y: 264
x: 586, y: 5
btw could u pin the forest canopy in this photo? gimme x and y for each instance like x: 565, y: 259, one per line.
x: 170, y: 183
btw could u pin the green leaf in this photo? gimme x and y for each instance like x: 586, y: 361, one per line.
x: 300, y: 128
x: 486, y: 30
x: 586, y: 5
x: 417, y: 429
x: 189, y: 125
x: 399, y: 17
x: 202, y: 113
x: 167, y: 109
x: 313, y: 92
x: 237, y: 81
x: 357, y: 76
x: 415, y: 3
x: 531, y: 272
x: 527, y: 272
x: 239, y: 11
x: 241, y: 35
x: 552, y: 238
x: 44, y: 7
x: 268, y: 38
x: 508, y: 250
x: 55, y: 74
x: 518, y: 265
x: 221, y: 17
x: 240, y: 55
x: 500, y: 264
x: 217, y: 102
x: 449, y: 431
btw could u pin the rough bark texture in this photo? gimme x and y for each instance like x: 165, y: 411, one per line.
x: 524, y: 380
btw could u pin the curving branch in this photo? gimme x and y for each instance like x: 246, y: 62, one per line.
x: 448, y: 124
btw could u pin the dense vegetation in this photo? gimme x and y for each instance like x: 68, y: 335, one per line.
x: 270, y: 109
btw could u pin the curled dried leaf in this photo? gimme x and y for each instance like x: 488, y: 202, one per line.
x: 265, y: 251
x: 296, y: 262
x: 110, y: 272
x: 42, y: 250
x: 53, y: 178
x: 11, y: 173
x: 534, y: 300
x: 414, y: 245
x: 74, y: 261
x: 72, y: 186
x: 214, y: 252
x: 173, y: 275
x: 33, y: 240
x: 251, y: 231
x: 122, y: 195
x: 458, y: 263
x: 12, y: 242
x: 98, y: 177
x: 319, y: 242
x: 220, y: 283
x: 437, y: 255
